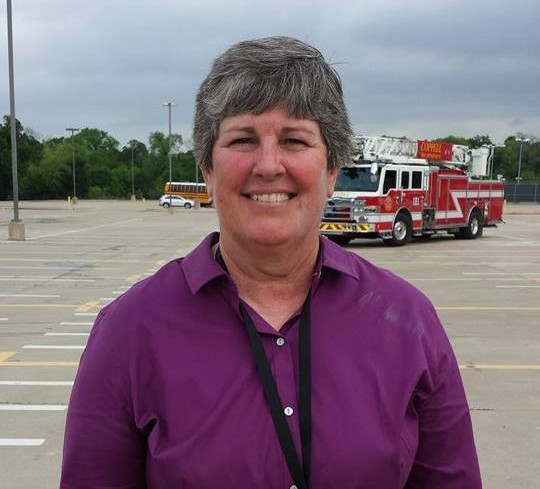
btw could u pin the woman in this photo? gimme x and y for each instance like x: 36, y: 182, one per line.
x: 269, y: 357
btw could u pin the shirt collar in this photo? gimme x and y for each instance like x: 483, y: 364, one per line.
x: 337, y: 258
x: 200, y: 266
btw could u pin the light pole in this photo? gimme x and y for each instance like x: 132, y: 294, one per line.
x: 73, y: 131
x: 132, y: 176
x: 170, y: 104
x: 15, y: 227
x: 521, y: 141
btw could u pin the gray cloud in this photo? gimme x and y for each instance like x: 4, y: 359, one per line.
x: 416, y: 68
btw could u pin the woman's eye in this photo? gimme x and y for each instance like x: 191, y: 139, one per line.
x: 242, y: 141
x: 294, y: 142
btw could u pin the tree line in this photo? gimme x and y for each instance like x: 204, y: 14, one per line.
x: 105, y: 170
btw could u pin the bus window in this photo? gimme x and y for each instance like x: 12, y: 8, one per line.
x: 390, y: 180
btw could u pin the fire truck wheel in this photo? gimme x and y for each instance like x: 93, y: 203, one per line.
x: 340, y: 240
x: 474, y: 228
x: 401, y: 231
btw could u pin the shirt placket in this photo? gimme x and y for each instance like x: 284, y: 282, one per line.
x: 282, y: 353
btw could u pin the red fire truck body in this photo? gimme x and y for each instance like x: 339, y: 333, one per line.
x: 396, y: 201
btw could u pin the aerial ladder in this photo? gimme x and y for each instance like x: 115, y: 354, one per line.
x: 476, y: 162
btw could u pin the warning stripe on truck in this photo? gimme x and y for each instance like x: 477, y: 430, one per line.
x: 345, y: 227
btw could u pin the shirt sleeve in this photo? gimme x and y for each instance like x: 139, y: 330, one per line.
x: 102, y: 445
x: 446, y: 456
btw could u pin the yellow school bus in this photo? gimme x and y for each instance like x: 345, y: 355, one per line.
x: 188, y: 190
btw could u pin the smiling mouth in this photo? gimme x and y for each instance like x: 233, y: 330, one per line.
x: 275, y: 197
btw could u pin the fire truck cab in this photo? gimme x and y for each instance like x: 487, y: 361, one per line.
x: 398, y: 196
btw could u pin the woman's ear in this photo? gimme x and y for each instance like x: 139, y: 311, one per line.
x: 331, y: 179
x: 207, y: 175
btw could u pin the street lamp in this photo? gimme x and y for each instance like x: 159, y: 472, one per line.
x: 521, y: 141
x: 170, y: 104
x: 16, y: 226
x: 73, y: 131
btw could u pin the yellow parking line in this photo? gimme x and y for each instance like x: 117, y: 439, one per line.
x: 39, y: 364
x: 87, y: 306
x: 4, y: 355
x: 499, y: 367
x: 40, y: 305
x: 133, y: 278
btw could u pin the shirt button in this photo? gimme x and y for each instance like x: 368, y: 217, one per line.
x: 280, y: 341
x: 288, y: 411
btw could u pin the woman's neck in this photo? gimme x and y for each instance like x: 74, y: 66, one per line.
x: 271, y: 280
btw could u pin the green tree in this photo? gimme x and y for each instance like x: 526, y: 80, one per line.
x: 51, y: 177
x: 479, y: 140
x: 507, y: 158
x: 159, y: 143
x: 29, y: 151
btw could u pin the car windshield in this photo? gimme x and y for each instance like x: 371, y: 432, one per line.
x: 357, y: 179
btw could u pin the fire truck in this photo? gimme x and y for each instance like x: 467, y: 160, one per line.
x: 399, y: 188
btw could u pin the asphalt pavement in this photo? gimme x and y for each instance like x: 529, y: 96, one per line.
x: 78, y: 258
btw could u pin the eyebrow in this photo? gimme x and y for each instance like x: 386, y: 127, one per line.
x: 251, y: 130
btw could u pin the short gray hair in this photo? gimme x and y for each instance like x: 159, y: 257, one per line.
x: 258, y: 75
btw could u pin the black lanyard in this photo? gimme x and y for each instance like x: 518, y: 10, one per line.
x: 300, y: 474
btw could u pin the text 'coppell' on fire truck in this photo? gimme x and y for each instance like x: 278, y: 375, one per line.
x: 399, y: 188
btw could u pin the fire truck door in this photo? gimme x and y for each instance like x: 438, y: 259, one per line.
x: 443, y: 201
x: 431, y: 185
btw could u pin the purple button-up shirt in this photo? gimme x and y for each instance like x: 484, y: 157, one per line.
x: 167, y: 395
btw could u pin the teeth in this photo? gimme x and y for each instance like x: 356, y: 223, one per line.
x: 269, y: 197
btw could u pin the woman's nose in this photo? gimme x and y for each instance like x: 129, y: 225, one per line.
x: 269, y: 161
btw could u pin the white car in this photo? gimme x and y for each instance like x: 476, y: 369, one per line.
x: 176, y: 201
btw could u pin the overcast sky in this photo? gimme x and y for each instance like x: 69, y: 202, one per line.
x: 419, y: 68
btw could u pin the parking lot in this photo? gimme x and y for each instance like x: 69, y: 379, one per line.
x: 77, y: 259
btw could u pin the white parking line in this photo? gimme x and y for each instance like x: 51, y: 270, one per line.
x: 500, y: 273
x: 83, y: 229
x: 77, y: 269
x: 469, y: 279
x: 21, y: 442
x: 3, y: 319
x: 46, y: 279
x: 33, y: 407
x: 45, y: 383
x: 69, y: 323
x: 86, y: 314
x: 66, y: 334
x: 54, y: 347
x: 71, y: 260
x: 41, y: 296
x: 518, y: 286
x: 106, y: 299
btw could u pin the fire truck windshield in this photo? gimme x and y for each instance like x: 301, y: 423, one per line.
x: 357, y: 179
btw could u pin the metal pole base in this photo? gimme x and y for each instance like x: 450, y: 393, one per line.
x: 16, y: 231
x: 133, y: 197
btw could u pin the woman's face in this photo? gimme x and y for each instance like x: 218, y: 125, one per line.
x: 269, y: 180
